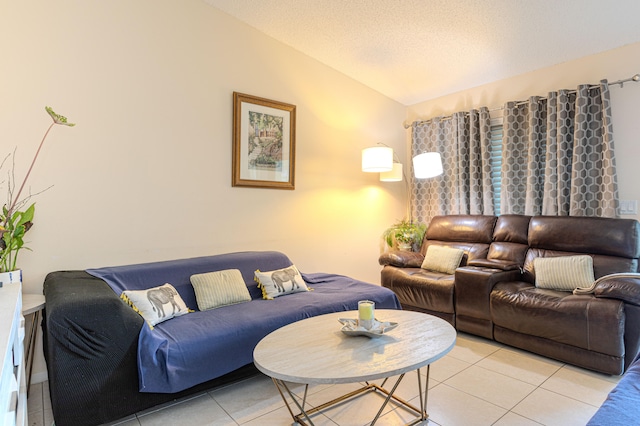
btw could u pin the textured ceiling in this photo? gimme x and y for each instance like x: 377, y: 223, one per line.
x: 415, y: 50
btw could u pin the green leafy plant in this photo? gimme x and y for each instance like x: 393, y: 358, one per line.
x: 15, y: 222
x: 405, y: 231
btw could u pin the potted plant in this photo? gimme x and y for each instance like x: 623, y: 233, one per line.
x: 405, y: 235
x: 15, y: 219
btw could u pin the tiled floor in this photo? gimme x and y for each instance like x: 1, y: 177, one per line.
x: 479, y: 382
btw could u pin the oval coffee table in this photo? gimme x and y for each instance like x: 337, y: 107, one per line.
x: 315, y: 351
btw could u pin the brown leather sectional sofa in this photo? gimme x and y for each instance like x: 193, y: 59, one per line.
x: 493, y: 293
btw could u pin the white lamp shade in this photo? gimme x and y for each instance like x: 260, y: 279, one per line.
x: 395, y: 175
x: 377, y: 159
x: 427, y: 165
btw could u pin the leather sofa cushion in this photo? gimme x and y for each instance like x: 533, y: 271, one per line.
x: 512, y: 228
x: 419, y: 287
x: 593, y: 235
x: 581, y: 321
x: 461, y: 228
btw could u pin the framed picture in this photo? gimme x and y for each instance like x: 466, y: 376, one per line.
x: 264, y: 143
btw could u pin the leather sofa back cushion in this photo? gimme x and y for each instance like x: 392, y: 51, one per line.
x: 512, y: 228
x: 593, y: 235
x: 564, y: 273
x: 461, y: 228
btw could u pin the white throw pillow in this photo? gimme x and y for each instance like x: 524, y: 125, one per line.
x: 442, y: 259
x: 156, y: 304
x: 280, y: 282
x: 564, y: 273
x: 219, y: 288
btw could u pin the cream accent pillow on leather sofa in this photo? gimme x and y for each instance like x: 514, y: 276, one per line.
x: 564, y: 273
x: 442, y: 259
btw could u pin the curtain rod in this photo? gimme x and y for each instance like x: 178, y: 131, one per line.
x: 635, y: 78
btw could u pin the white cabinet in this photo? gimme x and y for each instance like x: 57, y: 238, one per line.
x: 13, y: 390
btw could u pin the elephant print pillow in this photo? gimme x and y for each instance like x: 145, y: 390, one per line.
x: 156, y: 304
x: 280, y: 282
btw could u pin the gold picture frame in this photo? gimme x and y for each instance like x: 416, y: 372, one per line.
x: 264, y: 143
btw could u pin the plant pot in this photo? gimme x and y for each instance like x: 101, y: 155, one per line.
x: 11, y: 277
x: 404, y: 246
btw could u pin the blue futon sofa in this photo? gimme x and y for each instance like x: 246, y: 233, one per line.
x: 104, y: 362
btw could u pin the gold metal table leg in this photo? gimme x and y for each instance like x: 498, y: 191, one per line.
x: 304, y: 416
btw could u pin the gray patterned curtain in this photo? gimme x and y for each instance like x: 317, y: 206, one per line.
x: 464, y: 142
x: 558, y: 156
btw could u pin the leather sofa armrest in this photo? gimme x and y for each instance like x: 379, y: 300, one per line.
x: 473, y: 286
x: 401, y: 259
x: 624, y: 287
x: 503, y: 265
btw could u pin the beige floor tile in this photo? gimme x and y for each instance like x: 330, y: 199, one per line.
x: 496, y: 388
x: 356, y: 411
x: 35, y: 401
x: 512, y: 419
x: 472, y: 349
x: 248, y: 399
x: 400, y: 417
x: 202, y: 410
x: 36, y: 419
x: 450, y: 407
x: 523, y: 366
x: 48, y: 417
x: 127, y: 421
x: 408, y: 387
x: 168, y: 404
x: 446, y: 367
x: 580, y: 384
x: 552, y: 409
x: 46, y: 396
x: 281, y: 417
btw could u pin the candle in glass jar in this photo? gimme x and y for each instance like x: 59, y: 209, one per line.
x: 365, y: 313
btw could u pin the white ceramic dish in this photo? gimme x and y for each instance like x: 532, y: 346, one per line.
x: 350, y: 327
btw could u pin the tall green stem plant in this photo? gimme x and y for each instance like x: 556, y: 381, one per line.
x: 14, y: 223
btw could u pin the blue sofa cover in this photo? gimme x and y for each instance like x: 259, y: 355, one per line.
x: 177, y: 354
x: 622, y: 406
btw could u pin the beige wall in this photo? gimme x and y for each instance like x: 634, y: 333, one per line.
x: 612, y: 65
x: 146, y: 173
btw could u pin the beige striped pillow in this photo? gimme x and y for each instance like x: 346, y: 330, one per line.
x: 219, y: 288
x: 442, y: 259
x: 564, y: 273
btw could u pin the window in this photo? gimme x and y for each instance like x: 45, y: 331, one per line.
x: 496, y: 161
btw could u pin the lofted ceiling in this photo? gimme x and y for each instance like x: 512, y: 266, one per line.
x: 416, y: 50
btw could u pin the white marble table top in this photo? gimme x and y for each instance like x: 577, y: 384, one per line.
x: 314, y: 350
